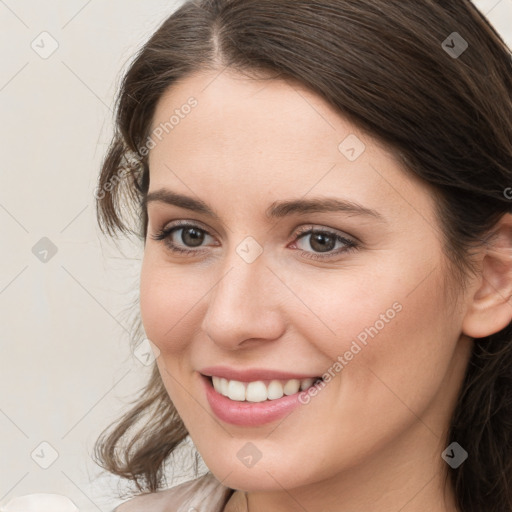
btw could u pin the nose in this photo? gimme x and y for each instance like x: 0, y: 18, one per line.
x: 244, y: 305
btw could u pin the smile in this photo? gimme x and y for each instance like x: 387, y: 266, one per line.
x: 260, y: 391
x: 254, y: 403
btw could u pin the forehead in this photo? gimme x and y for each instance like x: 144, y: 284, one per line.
x: 235, y: 114
x: 258, y: 140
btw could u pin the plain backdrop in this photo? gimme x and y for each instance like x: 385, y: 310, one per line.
x: 66, y: 369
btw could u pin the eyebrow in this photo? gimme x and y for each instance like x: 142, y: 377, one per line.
x: 277, y: 209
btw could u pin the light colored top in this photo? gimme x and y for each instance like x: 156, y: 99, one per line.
x: 37, y: 502
x: 204, y: 494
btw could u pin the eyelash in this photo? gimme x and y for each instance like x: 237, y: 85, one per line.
x: 165, y: 234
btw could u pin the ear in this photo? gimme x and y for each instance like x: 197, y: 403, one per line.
x: 490, y: 308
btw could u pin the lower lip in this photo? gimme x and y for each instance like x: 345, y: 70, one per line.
x: 249, y: 414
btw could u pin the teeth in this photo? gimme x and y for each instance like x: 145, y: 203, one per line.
x: 257, y: 391
x: 291, y: 387
x: 217, y: 385
x: 306, y: 383
x: 224, y: 386
x: 236, y: 391
x: 275, y: 390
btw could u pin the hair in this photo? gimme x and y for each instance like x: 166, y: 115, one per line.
x: 383, y: 65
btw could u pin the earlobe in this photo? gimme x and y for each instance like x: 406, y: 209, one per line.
x: 490, y: 308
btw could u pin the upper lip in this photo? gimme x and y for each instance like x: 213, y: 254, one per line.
x: 253, y: 374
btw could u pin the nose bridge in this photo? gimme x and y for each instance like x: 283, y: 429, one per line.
x: 241, y: 306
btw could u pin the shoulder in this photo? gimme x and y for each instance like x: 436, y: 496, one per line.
x: 206, y: 492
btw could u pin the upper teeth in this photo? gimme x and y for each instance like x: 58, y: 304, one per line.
x: 258, y: 391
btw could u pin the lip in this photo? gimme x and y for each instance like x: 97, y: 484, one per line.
x: 253, y: 374
x: 248, y: 414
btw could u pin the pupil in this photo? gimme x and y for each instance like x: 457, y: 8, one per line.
x: 192, y: 237
x: 322, y: 242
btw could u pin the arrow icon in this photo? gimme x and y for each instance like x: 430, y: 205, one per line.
x: 249, y: 455
x: 44, y: 455
x: 455, y: 45
x: 454, y: 455
x: 249, y: 249
x: 44, y: 45
x: 44, y: 250
x: 352, y: 147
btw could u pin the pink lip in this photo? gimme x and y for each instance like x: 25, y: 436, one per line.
x: 248, y: 414
x: 252, y: 374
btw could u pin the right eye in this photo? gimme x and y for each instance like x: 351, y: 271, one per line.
x: 181, y: 238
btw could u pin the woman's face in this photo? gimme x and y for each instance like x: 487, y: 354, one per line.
x: 251, y: 167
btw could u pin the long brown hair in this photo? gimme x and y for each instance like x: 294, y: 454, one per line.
x: 387, y: 66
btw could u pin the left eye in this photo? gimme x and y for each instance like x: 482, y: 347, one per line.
x: 322, y: 241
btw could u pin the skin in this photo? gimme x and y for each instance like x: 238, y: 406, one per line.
x: 372, y: 438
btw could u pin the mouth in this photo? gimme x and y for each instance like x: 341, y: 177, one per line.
x: 260, y: 390
x: 254, y: 403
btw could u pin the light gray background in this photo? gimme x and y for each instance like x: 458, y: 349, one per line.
x: 66, y: 367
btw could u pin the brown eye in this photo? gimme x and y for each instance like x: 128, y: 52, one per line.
x: 322, y: 242
x: 192, y: 237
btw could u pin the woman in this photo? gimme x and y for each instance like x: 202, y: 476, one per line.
x: 322, y: 192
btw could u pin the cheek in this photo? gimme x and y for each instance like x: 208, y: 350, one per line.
x: 334, y: 308
x: 395, y: 325
x: 169, y: 298
x: 403, y: 362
